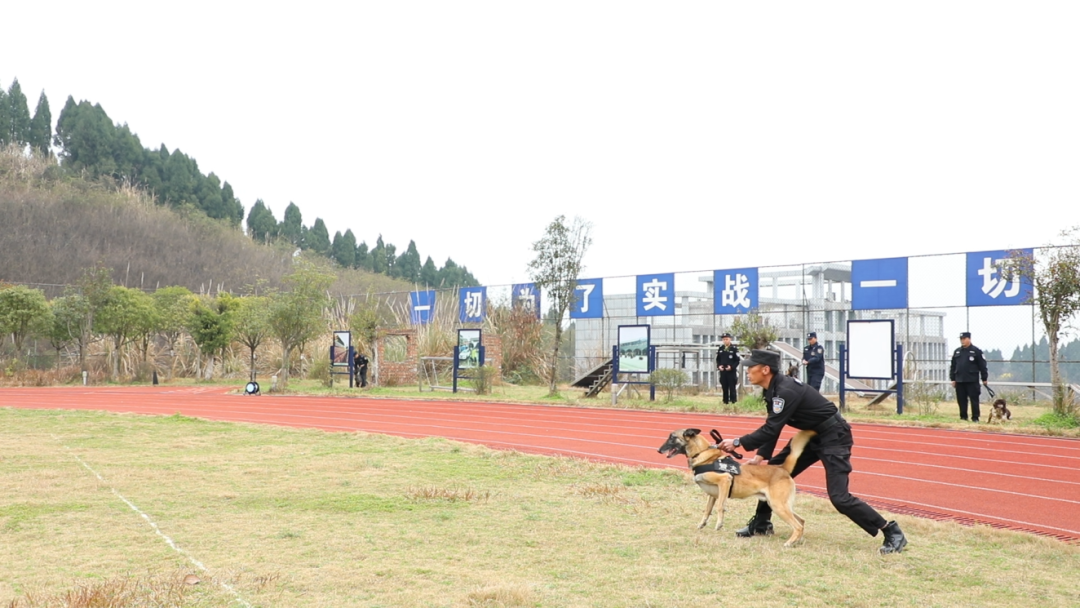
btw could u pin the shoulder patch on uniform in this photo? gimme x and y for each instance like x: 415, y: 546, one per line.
x: 777, y: 405
x: 820, y: 350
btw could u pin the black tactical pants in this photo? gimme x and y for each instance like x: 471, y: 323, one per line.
x: 814, y: 379
x: 833, y: 449
x: 968, y: 391
x: 728, y: 382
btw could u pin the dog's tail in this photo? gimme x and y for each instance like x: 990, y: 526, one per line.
x: 798, y: 444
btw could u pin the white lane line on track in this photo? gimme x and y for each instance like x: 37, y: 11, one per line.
x: 503, y: 412
x: 994, y: 473
x: 966, y: 487
x: 947, y: 510
x: 155, y: 527
x: 938, y: 456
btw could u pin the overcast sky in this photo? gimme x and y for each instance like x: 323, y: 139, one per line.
x: 693, y: 135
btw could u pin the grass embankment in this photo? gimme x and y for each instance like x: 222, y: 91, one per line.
x: 307, y: 518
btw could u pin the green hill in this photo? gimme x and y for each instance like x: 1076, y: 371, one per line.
x: 54, y: 225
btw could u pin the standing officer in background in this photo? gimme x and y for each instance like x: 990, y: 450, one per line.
x: 968, y: 364
x: 813, y: 358
x: 791, y: 403
x: 727, y: 361
x: 360, y: 363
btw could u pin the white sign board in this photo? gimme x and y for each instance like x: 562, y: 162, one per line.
x: 871, y: 349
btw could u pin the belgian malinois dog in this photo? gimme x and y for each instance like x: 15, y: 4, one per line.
x: 770, y: 483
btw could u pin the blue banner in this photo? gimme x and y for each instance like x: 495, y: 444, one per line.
x: 987, y: 287
x: 472, y: 304
x: 656, y: 295
x: 735, y: 291
x: 588, y: 299
x: 879, y: 284
x: 422, y: 306
x: 527, y: 296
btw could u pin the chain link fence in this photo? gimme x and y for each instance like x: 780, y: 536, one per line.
x: 792, y: 300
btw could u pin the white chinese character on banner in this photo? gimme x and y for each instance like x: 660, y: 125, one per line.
x: 652, y: 298
x: 588, y: 289
x: 736, y: 291
x: 525, y: 295
x: 473, y: 304
x: 995, y: 286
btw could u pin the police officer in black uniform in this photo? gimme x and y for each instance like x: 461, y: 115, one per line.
x: 727, y: 362
x: 360, y: 364
x: 813, y: 359
x: 968, y: 364
x: 794, y: 404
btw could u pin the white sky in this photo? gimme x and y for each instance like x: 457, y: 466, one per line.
x: 693, y: 135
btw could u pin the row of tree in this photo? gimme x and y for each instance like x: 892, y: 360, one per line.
x: 124, y: 317
x: 343, y: 249
x: 87, y: 141
x: 16, y: 125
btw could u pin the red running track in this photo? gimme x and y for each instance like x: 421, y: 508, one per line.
x: 1020, y: 482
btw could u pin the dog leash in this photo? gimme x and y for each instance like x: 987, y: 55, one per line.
x: 717, y: 439
x: 990, y: 390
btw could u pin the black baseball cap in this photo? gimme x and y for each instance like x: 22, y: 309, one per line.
x: 726, y: 335
x: 812, y: 334
x: 762, y: 357
x: 966, y: 334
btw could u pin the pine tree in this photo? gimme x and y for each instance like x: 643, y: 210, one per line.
x: 292, y: 225
x: 41, y: 126
x: 363, y: 257
x: 233, y: 209
x: 261, y: 223
x: 5, y: 118
x: 407, y: 267
x: 378, y: 257
x: 344, y: 249
x: 429, y: 274
x: 318, y: 238
x: 18, y: 115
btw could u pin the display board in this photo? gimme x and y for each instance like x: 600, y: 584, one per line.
x: 339, y: 354
x: 634, y: 349
x: 871, y: 349
x: 468, y: 348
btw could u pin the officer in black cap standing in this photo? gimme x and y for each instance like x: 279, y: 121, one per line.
x: 968, y: 364
x: 813, y: 359
x: 791, y: 403
x: 727, y: 362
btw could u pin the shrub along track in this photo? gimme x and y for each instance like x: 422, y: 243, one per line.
x: 1020, y: 482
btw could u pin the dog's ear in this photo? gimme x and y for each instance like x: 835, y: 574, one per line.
x: 691, y: 432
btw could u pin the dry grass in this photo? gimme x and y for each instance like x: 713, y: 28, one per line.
x: 305, y: 518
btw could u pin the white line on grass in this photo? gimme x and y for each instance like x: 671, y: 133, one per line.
x: 153, y: 525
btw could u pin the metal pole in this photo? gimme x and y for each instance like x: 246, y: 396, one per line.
x: 843, y: 374
x: 1033, y: 351
x: 899, y: 378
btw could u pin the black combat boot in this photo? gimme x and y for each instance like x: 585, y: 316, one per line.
x: 894, y: 538
x: 755, y: 528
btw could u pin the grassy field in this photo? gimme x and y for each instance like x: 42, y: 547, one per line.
x: 279, y: 517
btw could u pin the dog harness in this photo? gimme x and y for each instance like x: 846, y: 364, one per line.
x: 724, y: 465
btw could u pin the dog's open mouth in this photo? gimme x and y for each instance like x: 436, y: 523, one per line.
x: 673, y: 452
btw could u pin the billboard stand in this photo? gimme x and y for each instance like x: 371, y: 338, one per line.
x: 632, y: 356
x: 468, y: 356
x: 877, y: 356
x: 341, y: 357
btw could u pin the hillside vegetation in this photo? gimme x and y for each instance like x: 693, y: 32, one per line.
x: 56, y: 225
